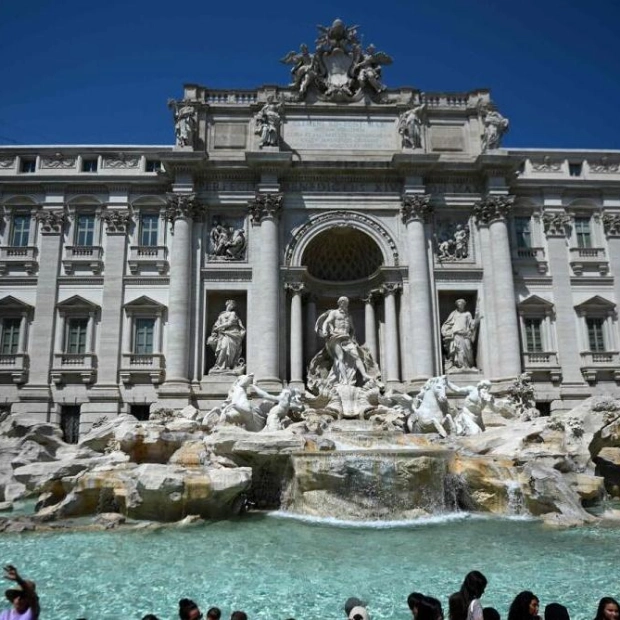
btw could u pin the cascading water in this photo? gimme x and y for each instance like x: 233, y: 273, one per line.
x: 516, y: 503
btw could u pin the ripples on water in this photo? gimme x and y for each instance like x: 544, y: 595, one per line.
x: 274, y: 567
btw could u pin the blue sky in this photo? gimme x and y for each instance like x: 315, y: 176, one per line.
x: 101, y: 72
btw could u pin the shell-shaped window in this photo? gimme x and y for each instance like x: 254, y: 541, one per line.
x: 342, y: 254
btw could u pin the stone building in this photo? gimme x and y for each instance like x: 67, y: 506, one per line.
x: 117, y: 261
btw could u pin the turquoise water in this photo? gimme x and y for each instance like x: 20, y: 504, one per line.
x: 274, y: 567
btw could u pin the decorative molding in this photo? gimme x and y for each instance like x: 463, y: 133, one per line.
x: 51, y: 222
x: 416, y: 208
x: 492, y: 208
x: 296, y: 288
x: 604, y: 166
x: 58, y: 161
x: 121, y: 160
x: 547, y: 165
x: 611, y: 224
x: 265, y: 205
x: 7, y: 162
x: 227, y: 275
x: 555, y: 223
x: 116, y: 221
x: 340, y: 218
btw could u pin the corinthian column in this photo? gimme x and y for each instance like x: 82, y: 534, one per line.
x: 391, y: 333
x: 264, y: 213
x: 370, y: 326
x: 296, y: 341
x: 492, y: 212
x: 416, y: 209
x: 180, y: 212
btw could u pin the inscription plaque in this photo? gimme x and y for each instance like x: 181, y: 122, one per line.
x: 355, y: 135
x: 447, y: 138
x: 230, y: 135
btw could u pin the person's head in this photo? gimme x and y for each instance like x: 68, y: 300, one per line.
x: 608, y: 609
x: 359, y: 613
x: 343, y: 303
x: 435, y: 606
x: 473, y: 586
x: 524, y: 606
x: 490, y: 613
x: 188, y: 610
x: 460, y: 304
x: 555, y: 611
x: 413, y: 601
x: 231, y: 304
x: 427, y: 610
x: 150, y: 617
x: 19, y: 598
x: 214, y: 613
x: 352, y: 602
x: 238, y: 615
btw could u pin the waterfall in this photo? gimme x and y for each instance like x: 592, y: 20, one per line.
x: 515, y: 502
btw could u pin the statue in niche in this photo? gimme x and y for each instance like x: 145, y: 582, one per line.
x: 227, y: 242
x: 304, y: 69
x: 226, y: 340
x: 184, y: 123
x: 459, y: 333
x: 342, y: 359
x: 267, y: 123
x: 410, y: 126
x: 494, y: 126
x: 454, y: 244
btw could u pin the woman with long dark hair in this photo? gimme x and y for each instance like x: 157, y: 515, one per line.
x: 608, y: 609
x: 524, y: 606
x: 465, y: 604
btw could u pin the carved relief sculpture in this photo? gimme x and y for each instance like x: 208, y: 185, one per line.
x: 459, y: 333
x: 51, y: 221
x: 116, y: 221
x: 452, y: 242
x: 267, y: 123
x: 410, y: 125
x: 185, y: 123
x: 494, y: 126
x: 226, y: 340
x: 227, y: 242
x: 555, y: 223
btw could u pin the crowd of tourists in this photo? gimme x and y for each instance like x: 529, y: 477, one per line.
x: 465, y: 604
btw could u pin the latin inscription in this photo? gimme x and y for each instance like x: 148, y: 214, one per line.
x: 230, y: 135
x: 340, y: 135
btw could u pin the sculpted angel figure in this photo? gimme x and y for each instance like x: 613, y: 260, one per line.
x: 410, y: 126
x: 304, y: 69
x: 267, y: 123
x: 367, y: 69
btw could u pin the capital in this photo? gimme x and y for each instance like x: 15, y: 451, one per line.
x: 116, y: 221
x: 390, y: 288
x: 555, y: 223
x: 611, y: 224
x: 51, y: 222
x: 416, y: 208
x: 295, y: 288
x: 180, y: 206
x: 265, y: 205
x: 492, y: 208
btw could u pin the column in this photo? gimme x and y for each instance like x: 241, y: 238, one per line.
x: 555, y: 222
x: 311, y: 346
x: 264, y: 213
x: 23, y: 323
x: 391, y: 333
x: 370, y: 325
x: 180, y: 213
x: 116, y: 223
x: 415, y: 211
x: 611, y: 225
x: 492, y: 211
x: 296, y: 337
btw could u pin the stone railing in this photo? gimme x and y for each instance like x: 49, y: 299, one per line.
x: 540, y: 359
x: 148, y: 256
x: 140, y: 366
x: 18, y: 257
x: 592, y: 259
x: 89, y: 256
x: 241, y: 97
x: 69, y: 365
x: 599, y: 358
x: 531, y: 256
x: 15, y: 365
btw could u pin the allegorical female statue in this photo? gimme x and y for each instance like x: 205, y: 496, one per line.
x: 226, y: 338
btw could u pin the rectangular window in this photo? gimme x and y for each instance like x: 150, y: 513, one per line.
x: 142, y: 412
x: 21, y: 231
x: 89, y: 165
x: 85, y: 230
x: 523, y: 232
x: 9, y: 344
x: 76, y: 336
x: 28, y: 165
x: 582, y: 232
x: 149, y: 224
x: 574, y: 170
x: 143, y: 336
x: 70, y: 423
x: 533, y: 335
x: 153, y: 165
x: 596, y: 340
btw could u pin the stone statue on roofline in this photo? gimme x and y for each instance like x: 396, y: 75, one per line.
x: 267, y: 123
x: 185, y: 122
x: 410, y: 125
x: 494, y: 126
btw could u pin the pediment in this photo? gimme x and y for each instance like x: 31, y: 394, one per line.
x: 12, y: 303
x: 596, y: 303
x: 77, y: 302
x: 534, y: 302
x: 143, y: 302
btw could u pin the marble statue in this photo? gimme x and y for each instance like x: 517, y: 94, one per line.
x: 455, y: 246
x: 304, y: 69
x: 459, y: 333
x: 367, y: 67
x: 227, y: 242
x: 494, y: 127
x: 522, y: 398
x: 478, y: 397
x: 336, y: 326
x: 430, y: 410
x: 267, y: 123
x: 286, y: 402
x: 184, y: 123
x: 226, y: 340
x: 410, y: 126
